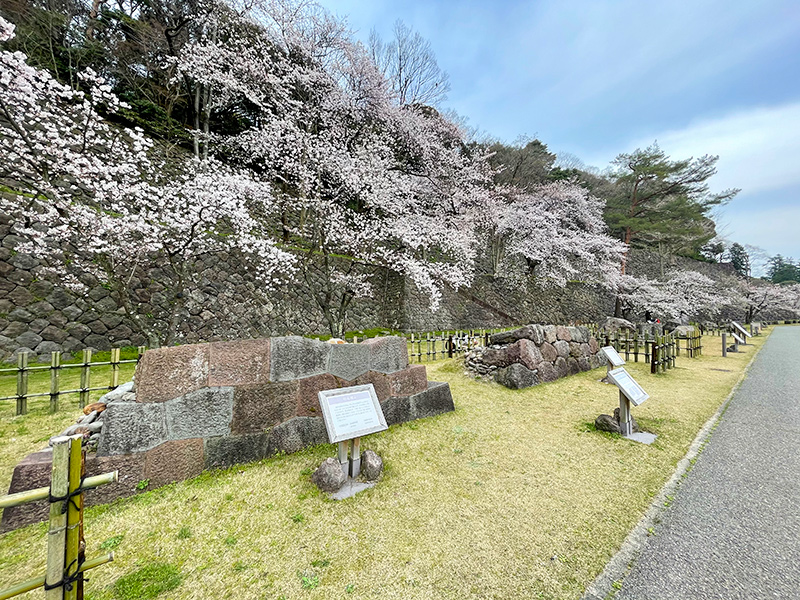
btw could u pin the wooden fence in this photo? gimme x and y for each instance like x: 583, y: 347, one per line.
x: 446, y: 344
x: 660, y: 351
x: 66, y: 562
x: 23, y: 370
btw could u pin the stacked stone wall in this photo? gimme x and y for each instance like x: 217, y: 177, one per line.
x: 202, y: 406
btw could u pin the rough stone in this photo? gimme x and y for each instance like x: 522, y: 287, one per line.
x: 37, y: 325
x: 130, y: 468
x: 561, y: 366
x: 529, y: 354
x: 60, y: 298
x: 614, y: 324
x: 572, y: 366
x: 562, y: 348
x: 21, y: 297
x: 240, y: 362
x: 547, y: 372
x: 579, y: 334
x: 259, y: 407
x: 97, y: 327
x: 387, y: 354
x: 53, y: 334
x: 132, y: 427
x: 371, y: 465
x: 31, y: 473
x: 634, y: 424
x: 14, y: 329
x: 594, y: 347
x: 200, y: 414
x: 297, y: 433
x: 575, y: 350
x: 348, y: 361
x: 409, y: 381
x: 118, y: 392
x: 548, y: 351
x: 295, y: 357
x: 44, y: 350
x: 583, y: 364
x: 230, y: 450
x: 607, y: 423
x: 77, y: 330
x: 167, y: 373
x: 307, y: 397
x: 498, y: 357
x: 97, y: 341
x: 111, y: 320
x: 435, y: 400
x: 563, y: 333
x: 329, y: 477
x: 516, y: 376
x: 29, y: 339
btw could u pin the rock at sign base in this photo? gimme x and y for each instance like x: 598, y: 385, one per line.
x: 371, y: 465
x: 329, y: 477
x: 516, y: 377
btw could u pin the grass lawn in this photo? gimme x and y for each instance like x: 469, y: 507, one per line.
x: 513, y: 495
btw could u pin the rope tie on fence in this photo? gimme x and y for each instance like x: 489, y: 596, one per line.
x: 68, y: 579
x: 69, y: 498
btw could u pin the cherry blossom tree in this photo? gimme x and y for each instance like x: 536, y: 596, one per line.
x: 772, y: 300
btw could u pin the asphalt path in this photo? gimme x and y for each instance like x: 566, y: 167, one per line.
x: 733, y: 529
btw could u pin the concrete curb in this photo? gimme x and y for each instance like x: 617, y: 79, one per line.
x: 602, y: 588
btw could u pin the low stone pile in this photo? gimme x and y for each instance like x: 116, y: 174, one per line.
x: 535, y: 354
x: 91, y: 423
x: 330, y: 478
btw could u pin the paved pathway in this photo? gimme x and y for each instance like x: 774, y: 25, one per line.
x: 733, y: 530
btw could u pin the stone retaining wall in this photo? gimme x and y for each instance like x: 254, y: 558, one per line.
x: 535, y: 354
x: 213, y: 405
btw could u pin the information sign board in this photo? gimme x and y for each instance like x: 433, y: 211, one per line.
x: 612, y: 356
x: 628, y: 386
x: 351, y: 412
x: 738, y: 339
x: 740, y: 328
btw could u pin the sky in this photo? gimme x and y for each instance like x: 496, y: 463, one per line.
x: 595, y: 78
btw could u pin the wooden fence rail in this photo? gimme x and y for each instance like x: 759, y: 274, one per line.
x: 446, y: 344
x: 23, y: 370
x: 63, y: 579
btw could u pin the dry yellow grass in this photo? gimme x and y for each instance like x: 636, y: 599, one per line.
x: 513, y: 495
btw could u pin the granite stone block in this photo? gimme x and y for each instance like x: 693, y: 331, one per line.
x: 130, y: 427
x: 259, y: 407
x: 173, y: 461
x: 548, y: 351
x: 387, y: 354
x: 307, y: 404
x: 435, y: 400
x: 230, y: 450
x: 529, y: 354
x: 547, y: 372
x: 563, y: 333
x: 166, y: 373
x: 296, y: 357
x: 562, y: 348
x: 31, y: 473
x: 240, y: 362
x: 296, y: 434
x: 408, y: 381
x: 550, y: 335
x: 348, y: 361
x: 200, y: 414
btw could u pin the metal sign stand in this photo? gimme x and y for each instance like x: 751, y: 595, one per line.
x: 630, y: 392
x: 625, y: 415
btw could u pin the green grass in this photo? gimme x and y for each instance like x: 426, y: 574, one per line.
x: 513, y: 495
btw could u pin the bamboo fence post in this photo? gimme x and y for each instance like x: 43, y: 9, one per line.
x: 74, y: 515
x: 22, y: 383
x: 654, y: 355
x: 114, y: 368
x: 450, y: 347
x: 57, y: 533
x: 86, y: 374
x: 55, y: 373
x: 636, y: 347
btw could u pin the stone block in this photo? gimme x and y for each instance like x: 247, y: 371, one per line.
x: 348, y: 361
x: 561, y: 367
x: 547, y: 372
x: 371, y: 465
x: 563, y: 333
x: 31, y: 473
x: 516, y: 377
x: 166, y: 373
x: 78, y: 330
x: 529, y: 354
x: 594, y: 347
x: 296, y: 434
x: 174, y: 461
x: 307, y: 399
x: 200, y: 414
x: 235, y: 449
x: 329, y: 476
x: 53, y: 334
x: 130, y: 427
x: 562, y: 348
x: 130, y: 468
x: 583, y: 364
x: 29, y: 339
x: 575, y: 350
x: 497, y: 357
x: 380, y: 381
x: 14, y: 329
x: 37, y: 325
x: 387, y: 354
x: 578, y: 334
x: 585, y: 350
x: 397, y: 409
x: 259, y: 407
x: 240, y: 362
x: 295, y: 357
x: 98, y: 342
x: 536, y: 334
x: 548, y: 351
x: 408, y: 381
x: 572, y: 366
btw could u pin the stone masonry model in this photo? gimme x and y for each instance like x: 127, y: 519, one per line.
x: 213, y: 405
x: 535, y: 354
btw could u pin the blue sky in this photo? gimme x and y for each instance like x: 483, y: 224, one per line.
x: 594, y: 78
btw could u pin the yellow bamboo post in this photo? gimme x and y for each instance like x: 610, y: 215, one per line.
x: 55, y: 373
x: 74, y: 515
x: 22, y: 383
x: 38, y: 582
x: 114, y: 368
x: 86, y: 373
x: 56, y: 535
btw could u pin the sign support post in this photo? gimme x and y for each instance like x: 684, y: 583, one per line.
x: 355, y: 457
x: 724, y: 345
x: 343, y: 457
x: 625, y: 415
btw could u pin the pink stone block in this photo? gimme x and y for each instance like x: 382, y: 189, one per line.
x: 166, y: 373
x: 173, y: 461
x: 240, y: 362
x: 409, y: 381
x: 308, y: 393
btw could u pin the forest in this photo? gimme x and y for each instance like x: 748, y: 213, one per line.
x: 165, y: 130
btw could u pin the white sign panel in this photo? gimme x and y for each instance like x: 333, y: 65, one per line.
x: 740, y: 328
x: 628, y: 386
x: 351, y: 412
x: 612, y: 356
x: 738, y: 339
